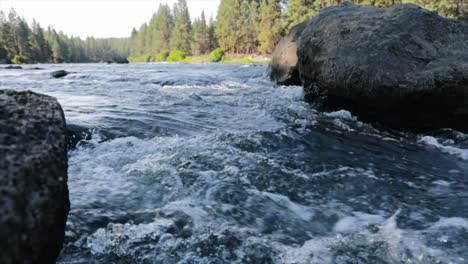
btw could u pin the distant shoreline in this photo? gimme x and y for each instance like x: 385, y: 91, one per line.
x: 229, y: 58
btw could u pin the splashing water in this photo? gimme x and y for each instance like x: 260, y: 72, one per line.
x: 214, y: 164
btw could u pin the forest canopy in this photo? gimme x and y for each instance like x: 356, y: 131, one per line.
x: 23, y: 43
x: 245, y: 26
x: 240, y: 27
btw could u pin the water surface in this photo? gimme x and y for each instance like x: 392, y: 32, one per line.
x: 215, y: 164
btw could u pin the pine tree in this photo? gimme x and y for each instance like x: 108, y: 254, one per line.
x: 181, y: 37
x: 133, y: 44
x: 269, y: 25
x: 201, y: 42
x: 58, y: 47
x: 299, y: 11
x: 164, y: 24
x: 9, y: 40
x: 248, y: 27
x: 141, y: 40
x: 40, y: 50
x: 227, y: 25
x: 23, y: 33
x: 213, y: 41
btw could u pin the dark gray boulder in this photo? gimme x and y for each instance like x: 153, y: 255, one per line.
x: 34, y: 200
x: 404, y: 67
x: 59, y: 74
x: 283, y: 67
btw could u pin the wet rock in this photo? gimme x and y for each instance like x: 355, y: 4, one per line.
x: 59, y: 74
x: 283, y: 67
x: 404, y: 67
x: 75, y: 134
x: 34, y: 200
x: 118, y: 61
x: 13, y: 68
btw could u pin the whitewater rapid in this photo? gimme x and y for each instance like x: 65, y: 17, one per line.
x: 214, y: 164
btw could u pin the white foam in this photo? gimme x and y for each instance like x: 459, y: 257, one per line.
x: 441, y: 183
x: 451, y: 222
x: 431, y: 141
x: 304, y: 212
x: 314, y: 251
x: 342, y: 114
x: 357, y: 222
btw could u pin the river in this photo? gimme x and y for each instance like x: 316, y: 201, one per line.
x: 213, y: 163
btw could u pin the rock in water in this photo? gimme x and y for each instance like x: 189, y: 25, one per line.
x: 13, y: 68
x: 75, y: 134
x: 59, y: 74
x: 118, y: 61
x: 34, y: 200
x: 283, y: 67
x: 404, y: 66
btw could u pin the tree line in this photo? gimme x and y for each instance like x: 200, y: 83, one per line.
x: 241, y: 26
x: 246, y: 26
x: 22, y: 43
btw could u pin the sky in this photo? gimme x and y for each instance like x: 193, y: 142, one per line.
x: 98, y: 18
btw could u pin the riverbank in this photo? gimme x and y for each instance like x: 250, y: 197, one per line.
x: 229, y: 58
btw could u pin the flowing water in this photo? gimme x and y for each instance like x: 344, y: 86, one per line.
x: 215, y: 164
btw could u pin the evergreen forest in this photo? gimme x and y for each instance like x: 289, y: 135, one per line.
x: 240, y: 27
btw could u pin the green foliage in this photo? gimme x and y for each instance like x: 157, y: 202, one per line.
x: 163, y: 55
x: 182, y: 32
x: 20, y: 59
x: 228, y: 25
x: 162, y: 28
x: 270, y: 29
x: 299, y: 11
x: 26, y: 44
x: 201, y: 37
x: 176, y: 56
x: 217, y: 55
x: 241, y: 26
x: 145, y: 58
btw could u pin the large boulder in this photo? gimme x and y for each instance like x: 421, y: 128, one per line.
x: 283, y: 67
x: 404, y: 66
x: 34, y: 200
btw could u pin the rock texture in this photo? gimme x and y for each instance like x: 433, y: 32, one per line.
x: 283, y: 67
x: 404, y: 66
x: 34, y: 200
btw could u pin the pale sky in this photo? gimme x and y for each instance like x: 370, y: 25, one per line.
x: 98, y: 18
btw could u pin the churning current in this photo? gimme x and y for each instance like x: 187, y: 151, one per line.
x: 215, y: 164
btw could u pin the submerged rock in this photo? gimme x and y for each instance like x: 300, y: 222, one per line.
x: 34, y: 200
x: 59, y: 74
x: 283, y: 67
x: 118, y: 61
x: 13, y: 68
x: 404, y: 66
